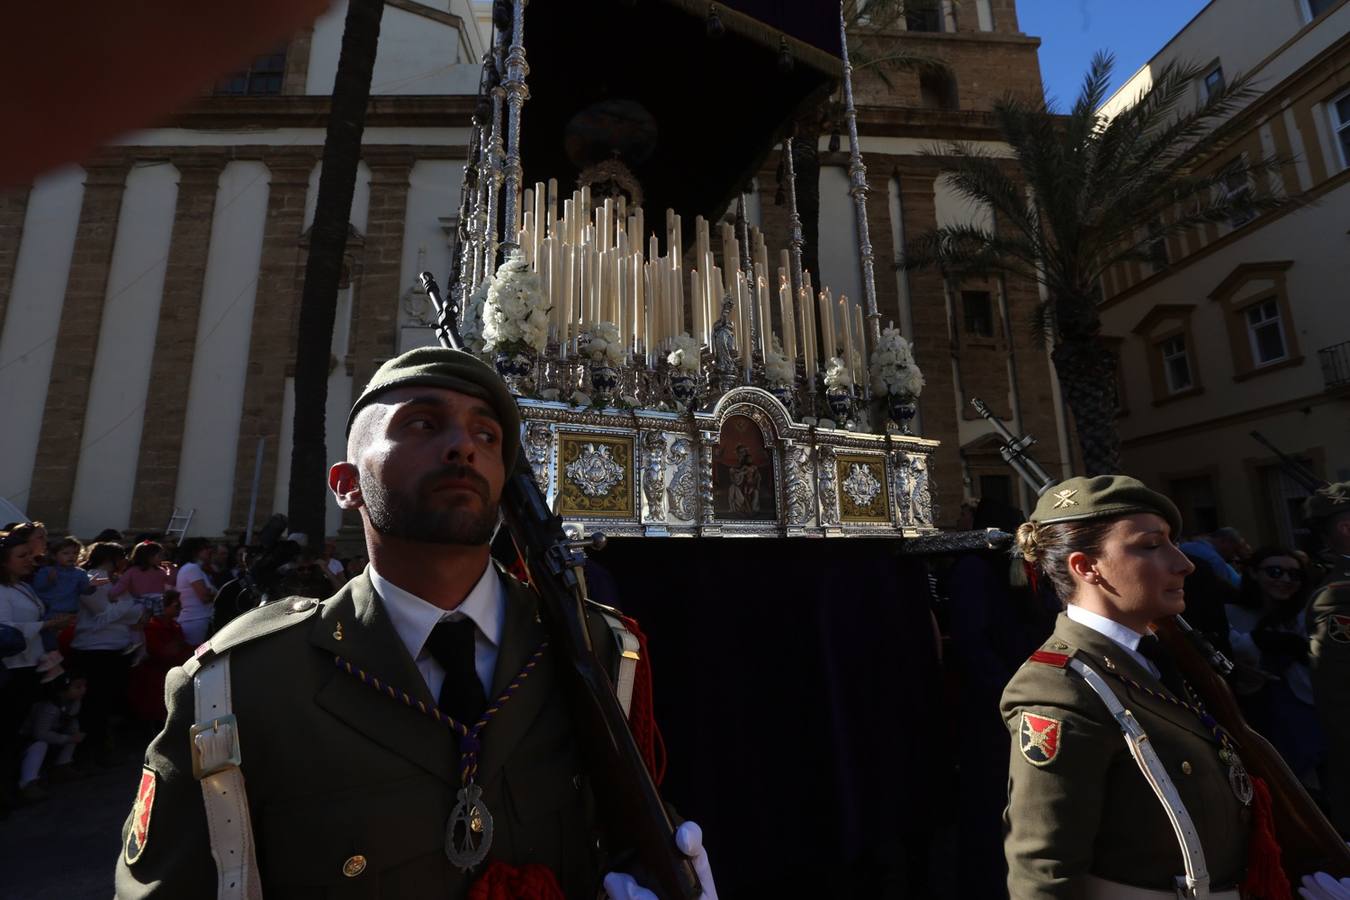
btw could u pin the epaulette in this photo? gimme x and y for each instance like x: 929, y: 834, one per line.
x: 256, y: 623
x: 1053, y: 653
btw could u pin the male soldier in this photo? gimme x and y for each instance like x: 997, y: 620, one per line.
x: 1328, y: 618
x: 356, y: 783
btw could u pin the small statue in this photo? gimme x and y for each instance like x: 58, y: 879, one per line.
x: 724, y: 347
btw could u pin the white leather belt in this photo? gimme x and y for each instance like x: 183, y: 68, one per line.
x: 1195, y: 885
x: 1095, y: 888
x: 629, y: 654
x: 215, y: 763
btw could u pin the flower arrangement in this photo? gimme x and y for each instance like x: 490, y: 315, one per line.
x: 837, y: 377
x: 778, y: 368
x: 472, y: 328
x: 603, y: 345
x: 893, y: 368
x: 685, y: 357
x: 515, y: 311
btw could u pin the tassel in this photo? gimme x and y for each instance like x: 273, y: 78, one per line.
x: 528, y: 882
x: 1265, y: 874
x: 1033, y: 577
x: 642, y: 712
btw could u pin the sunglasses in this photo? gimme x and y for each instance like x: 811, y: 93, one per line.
x: 1280, y: 572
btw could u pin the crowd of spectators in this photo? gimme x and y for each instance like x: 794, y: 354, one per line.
x: 88, y: 633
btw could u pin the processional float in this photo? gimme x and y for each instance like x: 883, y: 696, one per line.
x: 677, y: 375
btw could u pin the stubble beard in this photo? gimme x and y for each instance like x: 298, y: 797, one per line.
x: 410, y: 517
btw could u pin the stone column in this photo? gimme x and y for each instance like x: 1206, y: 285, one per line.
x: 271, y: 351
x: 375, y: 304
x: 76, y: 343
x: 175, y: 341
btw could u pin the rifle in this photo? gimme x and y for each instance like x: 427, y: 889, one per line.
x: 1308, y: 842
x: 629, y: 803
x: 1014, y: 451
x: 1292, y: 467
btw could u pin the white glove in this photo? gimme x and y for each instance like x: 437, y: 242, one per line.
x: 1322, y: 886
x: 689, y: 838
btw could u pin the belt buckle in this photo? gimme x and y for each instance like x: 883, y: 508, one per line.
x: 207, y: 762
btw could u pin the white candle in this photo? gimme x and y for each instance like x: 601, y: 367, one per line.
x: 765, y: 319
x: 848, y: 334
x: 860, y: 338
x: 696, y: 304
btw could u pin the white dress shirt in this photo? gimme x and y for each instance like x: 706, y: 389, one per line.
x: 414, y: 618
x: 1127, y: 638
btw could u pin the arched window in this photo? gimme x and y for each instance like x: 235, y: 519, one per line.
x: 937, y: 90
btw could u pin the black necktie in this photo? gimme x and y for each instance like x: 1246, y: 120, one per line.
x: 1153, y: 650
x: 452, y: 645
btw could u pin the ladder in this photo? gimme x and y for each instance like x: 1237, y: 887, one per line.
x: 178, y: 524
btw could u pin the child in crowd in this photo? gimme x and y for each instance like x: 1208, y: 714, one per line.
x: 61, y: 584
x: 52, y: 722
x: 147, y: 576
x: 165, y: 648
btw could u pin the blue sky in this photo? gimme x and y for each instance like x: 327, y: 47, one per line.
x: 1072, y: 30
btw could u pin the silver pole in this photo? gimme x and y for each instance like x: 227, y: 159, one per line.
x: 857, y: 174
x: 494, y: 169
x: 794, y: 218
x: 253, y: 495
x: 516, y: 95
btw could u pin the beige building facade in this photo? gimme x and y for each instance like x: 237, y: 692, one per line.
x: 1245, y: 326
x: 149, y: 297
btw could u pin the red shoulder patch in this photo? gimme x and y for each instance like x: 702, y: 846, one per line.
x: 139, y: 833
x: 1039, y: 738
x: 1338, y: 629
x: 1058, y: 660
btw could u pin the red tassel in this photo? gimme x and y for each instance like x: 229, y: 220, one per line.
x: 528, y: 882
x: 1265, y: 874
x: 1033, y: 577
x: 642, y: 711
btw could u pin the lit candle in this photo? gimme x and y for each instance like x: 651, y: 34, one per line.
x: 765, y: 319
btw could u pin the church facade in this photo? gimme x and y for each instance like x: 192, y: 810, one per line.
x: 149, y: 297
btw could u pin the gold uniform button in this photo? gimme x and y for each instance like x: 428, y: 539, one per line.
x: 354, y: 866
x: 1185, y: 767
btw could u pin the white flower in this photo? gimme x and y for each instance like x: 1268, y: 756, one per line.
x: 893, y: 370
x: 837, y: 376
x: 603, y: 344
x: 778, y: 368
x: 685, y: 355
x: 472, y: 328
x: 515, y: 310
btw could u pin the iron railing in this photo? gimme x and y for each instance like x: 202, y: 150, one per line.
x: 1335, y: 365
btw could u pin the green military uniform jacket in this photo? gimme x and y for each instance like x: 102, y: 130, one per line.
x: 334, y: 768
x: 1078, y: 804
x: 1329, y: 624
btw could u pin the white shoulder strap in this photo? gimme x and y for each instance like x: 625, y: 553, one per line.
x: 215, y: 763
x: 629, y: 654
x: 1196, y: 885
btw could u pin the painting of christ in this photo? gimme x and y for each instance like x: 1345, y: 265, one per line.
x: 743, y: 478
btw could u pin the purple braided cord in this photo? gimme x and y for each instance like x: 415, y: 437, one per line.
x: 469, y: 743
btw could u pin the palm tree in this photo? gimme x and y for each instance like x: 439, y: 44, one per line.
x: 1103, y: 192
x: 323, y: 268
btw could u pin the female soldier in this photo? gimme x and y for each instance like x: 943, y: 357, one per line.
x: 1082, y: 818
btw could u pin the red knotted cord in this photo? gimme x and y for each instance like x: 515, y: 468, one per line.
x: 642, y: 711
x: 528, y: 882
x: 1265, y: 874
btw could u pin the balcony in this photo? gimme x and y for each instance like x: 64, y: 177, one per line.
x: 1335, y: 362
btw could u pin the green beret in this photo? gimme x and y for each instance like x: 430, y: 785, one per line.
x: 1328, y: 501
x: 452, y: 369
x: 1103, y: 497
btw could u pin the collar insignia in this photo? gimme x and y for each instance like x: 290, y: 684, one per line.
x: 1039, y: 738
x: 1064, y: 499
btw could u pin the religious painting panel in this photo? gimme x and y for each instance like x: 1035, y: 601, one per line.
x: 744, y: 487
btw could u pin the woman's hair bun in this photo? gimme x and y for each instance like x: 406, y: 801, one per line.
x: 1029, y: 541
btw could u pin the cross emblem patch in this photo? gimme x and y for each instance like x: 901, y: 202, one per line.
x: 1064, y: 499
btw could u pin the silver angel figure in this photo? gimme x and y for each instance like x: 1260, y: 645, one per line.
x: 683, y: 485
x: 724, y: 347
x: 654, y: 474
